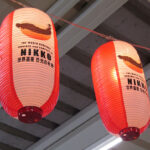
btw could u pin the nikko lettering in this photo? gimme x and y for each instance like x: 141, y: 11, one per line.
x: 35, y: 52
x: 136, y: 82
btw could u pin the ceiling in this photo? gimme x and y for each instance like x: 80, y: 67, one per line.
x: 76, y: 116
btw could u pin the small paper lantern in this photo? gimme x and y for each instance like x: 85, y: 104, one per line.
x: 120, y: 89
x: 29, y: 69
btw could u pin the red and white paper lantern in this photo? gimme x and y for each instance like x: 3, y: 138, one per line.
x: 29, y: 69
x: 121, y: 90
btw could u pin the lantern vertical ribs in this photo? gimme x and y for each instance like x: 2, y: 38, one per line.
x: 30, y: 65
x: 120, y: 89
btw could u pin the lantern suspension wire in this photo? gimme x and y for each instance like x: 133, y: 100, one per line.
x: 19, y: 3
x: 107, y: 37
x: 84, y: 28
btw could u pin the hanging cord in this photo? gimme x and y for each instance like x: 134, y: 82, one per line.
x: 19, y: 3
x: 84, y: 28
x: 107, y: 37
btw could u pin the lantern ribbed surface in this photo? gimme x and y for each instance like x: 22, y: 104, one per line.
x: 120, y: 89
x: 29, y: 63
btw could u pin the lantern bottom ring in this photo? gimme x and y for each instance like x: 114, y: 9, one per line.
x: 30, y: 114
x: 130, y: 133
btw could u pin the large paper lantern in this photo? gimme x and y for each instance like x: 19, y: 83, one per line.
x: 29, y: 65
x: 120, y: 89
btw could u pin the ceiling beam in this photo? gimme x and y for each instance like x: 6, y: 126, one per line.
x: 71, y: 35
x: 139, y: 10
x: 48, y: 124
x: 77, y: 86
x: 82, y: 56
x: 141, y: 143
x: 60, y: 8
x: 70, y: 110
x: 4, y: 146
x: 100, y: 143
x: 71, y: 140
x: 66, y: 128
x: 19, y: 133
